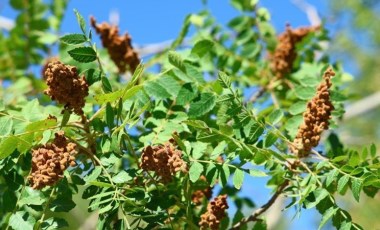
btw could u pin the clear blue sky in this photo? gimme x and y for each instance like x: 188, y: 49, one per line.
x: 152, y: 21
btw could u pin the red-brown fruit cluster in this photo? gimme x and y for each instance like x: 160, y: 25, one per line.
x: 198, y: 195
x: 315, y: 118
x: 45, y: 66
x: 216, y: 211
x: 65, y: 86
x: 285, y: 54
x: 50, y: 161
x: 119, y: 47
x: 165, y: 160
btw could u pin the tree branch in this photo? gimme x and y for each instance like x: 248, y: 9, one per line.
x: 254, y: 216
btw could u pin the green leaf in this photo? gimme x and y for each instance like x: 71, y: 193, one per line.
x: 31, y: 197
x: 73, y: 39
x: 94, y: 174
x: 65, y: 118
x: 205, y: 104
x: 41, y: 125
x: 176, y: 60
x: 106, y: 85
x: 54, y: 223
x: 195, y: 171
x: 186, y: 94
x: 83, y: 54
x: 270, y: 139
x: 373, y: 150
x: 224, y: 174
x: 356, y: 186
x: 224, y: 80
x: 315, y: 197
x: 297, y: 108
x: 62, y: 204
x: 257, y: 173
x: 198, y: 149
x: 21, y: 221
x: 155, y: 90
x: 121, y: 177
x: 275, y: 116
x: 6, y: 124
x: 202, y: 47
x: 7, y: 146
x: 305, y: 93
x: 93, y: 75
x: 238, y: 178
x: 110, y: 115
x: 80, y: 21
x: 327, y: 215
x: 331, y: 176
x: 342, y: 183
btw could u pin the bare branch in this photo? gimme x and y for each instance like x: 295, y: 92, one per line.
x: 255, y: 215
x: 310, y: 11
x: 362, y: 106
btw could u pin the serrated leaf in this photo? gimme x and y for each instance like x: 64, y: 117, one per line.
x: 94, y: 174
x: 81, y: 21
x: 31, y: 197
x: 257, y: 173
x: 331, y: 176
x: 205, y: 104
x: 176, y: 60
x: 7, y: 146
x: 238, y: 178
x: 62, y: 204
x: 270, y: 139
x: 155, y: 90
x: 342, y: 183
x: 316, y: 197
x: 356, y: 186
x: 202, y: 47
x: 21, y: 221
x: 6, y: 124
x: 224, y: 174
x: 275, y: 116
x: 186, y: 94
x: 106, y: 85
x: 54, y: 223
x: 121, y: 177
x: 93, y: 75
x: 305, y: 93
x: 297, y: 108
x: 83, y: 54
x: 73, y: 39
x: 224, y: 80
x: 327, y: 215
x: 195, y: 171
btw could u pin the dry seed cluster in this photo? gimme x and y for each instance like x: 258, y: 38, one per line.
x: 315, y: 118
x: 50, y: 161
x: 165, y: 160
x: 65, y: 86
x: 285, y: 54
x: 216, y: 211
x: 119, y: 47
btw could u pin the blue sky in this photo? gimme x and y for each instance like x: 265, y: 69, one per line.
x: 152, y: 21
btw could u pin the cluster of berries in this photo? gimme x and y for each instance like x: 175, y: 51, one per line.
x: 119, y: 47
x: 165, y: 160
x: 315, y: 118
x: 65, y: 86
x: 285, y: 54
x: 216, y: 211
x: 51, y: 160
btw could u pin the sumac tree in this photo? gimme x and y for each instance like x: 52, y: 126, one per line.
x: 170, y: 149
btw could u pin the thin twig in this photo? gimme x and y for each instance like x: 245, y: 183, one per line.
x: 255, y: 215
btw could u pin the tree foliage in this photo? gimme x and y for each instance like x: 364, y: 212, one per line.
x: 150, y: 146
